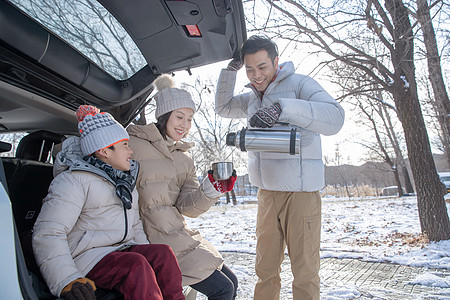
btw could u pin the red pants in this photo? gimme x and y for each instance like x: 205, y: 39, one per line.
x: 144, y: 272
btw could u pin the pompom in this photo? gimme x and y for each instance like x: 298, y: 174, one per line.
x: 85, y: 110
x: 163, y: 81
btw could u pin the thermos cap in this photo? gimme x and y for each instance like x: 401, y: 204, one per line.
x: 231, y: 139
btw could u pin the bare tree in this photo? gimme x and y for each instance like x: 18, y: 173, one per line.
x: 369, y: 113
x: 394, y: 140
x: 332, y: 31
x: 350, y: 79
x: 441, y: 99
x: 209, y: 131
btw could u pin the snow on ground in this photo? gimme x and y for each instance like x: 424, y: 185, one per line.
x: 370, y: 229
x: 383, y: 230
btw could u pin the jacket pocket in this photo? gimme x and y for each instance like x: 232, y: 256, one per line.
x: 83, y: 244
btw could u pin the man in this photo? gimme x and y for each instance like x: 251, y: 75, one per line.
x: 289, y: 204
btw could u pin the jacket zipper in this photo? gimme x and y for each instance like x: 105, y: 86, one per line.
x: 126, y: 224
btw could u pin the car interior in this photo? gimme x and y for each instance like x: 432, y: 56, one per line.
x: 47, y: 69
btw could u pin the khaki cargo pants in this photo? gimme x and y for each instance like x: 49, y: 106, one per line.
x: 292, y: 219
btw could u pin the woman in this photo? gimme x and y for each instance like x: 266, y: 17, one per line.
x: 168, y: 189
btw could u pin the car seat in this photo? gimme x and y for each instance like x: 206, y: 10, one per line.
x: 28, y: 176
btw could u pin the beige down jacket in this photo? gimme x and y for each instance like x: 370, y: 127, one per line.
x: 81, y: 220
x: 168, y: 189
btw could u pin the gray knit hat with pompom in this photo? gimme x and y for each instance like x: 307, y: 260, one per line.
x: 98, y: 130
x: 169, y: 98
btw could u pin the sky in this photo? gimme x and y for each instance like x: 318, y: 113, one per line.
x: 369, y: 229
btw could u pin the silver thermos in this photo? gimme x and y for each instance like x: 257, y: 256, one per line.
x: 278, y: 140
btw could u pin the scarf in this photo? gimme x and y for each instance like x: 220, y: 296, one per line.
x: 124, y: 181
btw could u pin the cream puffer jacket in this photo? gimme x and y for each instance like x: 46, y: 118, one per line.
x: 81, y: 220
x: 168, y: 189
x: 305, y: 106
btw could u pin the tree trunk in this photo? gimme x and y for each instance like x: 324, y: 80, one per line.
x: 441, y: 100
x: 399, y: 185
x: 347, y: 190
x: 408, y: 185
x: 433, y: 215
x: 233, y: 197
x: 401, y: 165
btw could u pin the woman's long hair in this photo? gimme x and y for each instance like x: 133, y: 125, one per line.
x: 161, y: 124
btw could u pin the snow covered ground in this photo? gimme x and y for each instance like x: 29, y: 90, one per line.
x: 375, y: 229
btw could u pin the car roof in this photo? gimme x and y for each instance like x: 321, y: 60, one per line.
x: 44, y: 78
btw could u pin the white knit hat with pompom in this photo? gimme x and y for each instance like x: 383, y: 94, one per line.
x: 169, y: 98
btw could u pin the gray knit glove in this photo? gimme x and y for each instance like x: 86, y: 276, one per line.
x: 235, y: 64
x: 266, y: 116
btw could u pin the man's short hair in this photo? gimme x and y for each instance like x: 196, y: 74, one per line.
x: 257, y: 43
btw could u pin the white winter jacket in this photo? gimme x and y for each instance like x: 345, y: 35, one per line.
x: 306, y: 106
x: 81, y: 220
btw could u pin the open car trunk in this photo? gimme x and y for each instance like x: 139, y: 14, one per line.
x: 56, y: 55
x: 113, y: 62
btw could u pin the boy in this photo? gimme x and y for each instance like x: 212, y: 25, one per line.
x: 89, y: 233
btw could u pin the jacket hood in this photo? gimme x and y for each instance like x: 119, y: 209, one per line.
x: 286, y: 69
x: 71, y: 158
x: 151, y: 133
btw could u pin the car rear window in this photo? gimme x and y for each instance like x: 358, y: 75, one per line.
x: 91, y: 29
